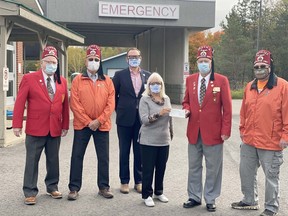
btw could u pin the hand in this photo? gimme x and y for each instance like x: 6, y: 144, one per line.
x: 283, y: 144
x: 64, y: 133
x: 17, y: 132
x: 94, y: 125
x: 164, y: 111
x: 187, y: 113
x: 224, y: 137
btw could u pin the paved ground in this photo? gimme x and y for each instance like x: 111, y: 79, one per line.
x: 12, y: 161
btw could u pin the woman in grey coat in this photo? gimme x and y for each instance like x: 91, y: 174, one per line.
x: 154, y: 137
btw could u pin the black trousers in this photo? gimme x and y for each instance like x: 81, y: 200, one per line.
x: 80, y: 142
x: 126, y: 135
x: 34, y: 147
x: 154, y: 158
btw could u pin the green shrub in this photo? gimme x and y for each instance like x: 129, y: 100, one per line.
x: 237, y: 94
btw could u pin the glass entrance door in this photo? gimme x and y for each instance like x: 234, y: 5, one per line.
x: 11, y: 64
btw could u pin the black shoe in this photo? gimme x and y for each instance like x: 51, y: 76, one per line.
x: 191, y: 203
x: 243, y: 206
x: 211, y: 207
x: 267, y: 212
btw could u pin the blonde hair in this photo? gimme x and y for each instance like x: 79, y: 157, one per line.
x: 157, y: 77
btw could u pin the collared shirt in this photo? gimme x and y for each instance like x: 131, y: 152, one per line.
x: 93, y: 77
x: 207, y: 79
x: 52, y: 81
x: 137, y: 81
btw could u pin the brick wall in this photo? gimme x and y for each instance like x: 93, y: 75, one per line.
x: 19, y: 63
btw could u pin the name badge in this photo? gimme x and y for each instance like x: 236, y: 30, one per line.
x: 216, y: 89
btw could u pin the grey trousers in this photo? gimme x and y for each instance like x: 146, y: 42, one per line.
x: 34, y: 147
x: 250, y: 160
x: 214, y: 166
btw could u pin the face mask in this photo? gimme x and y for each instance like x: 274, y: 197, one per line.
x: 134, y: 62
x: 156, y: 88
x: 50, y: 69
x: 93, y: 66
x: 261, y: 74
x: 203, y: 67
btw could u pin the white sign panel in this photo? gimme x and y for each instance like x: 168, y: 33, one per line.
x: 150, y: 11
x: 5, y: 79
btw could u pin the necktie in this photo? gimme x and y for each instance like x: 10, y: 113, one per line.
x: 202, y: 90
x: 50, y: 89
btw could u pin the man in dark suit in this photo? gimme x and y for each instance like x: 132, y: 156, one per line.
x: 207, y: 102
x: 129, y: 85
x: 46, y: 94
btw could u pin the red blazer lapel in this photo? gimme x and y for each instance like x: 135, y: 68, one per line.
x: 195, y: 89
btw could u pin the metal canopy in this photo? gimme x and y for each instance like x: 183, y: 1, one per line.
x: 30, y: 26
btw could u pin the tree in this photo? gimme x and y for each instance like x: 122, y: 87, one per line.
x: 275, y: 36
x: 76, y: 59
x: 234, y: 51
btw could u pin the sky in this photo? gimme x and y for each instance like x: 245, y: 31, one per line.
x: 223, y: 7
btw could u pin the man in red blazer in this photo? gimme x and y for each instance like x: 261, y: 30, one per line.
x: 207, y: 103
x: 46, y: 95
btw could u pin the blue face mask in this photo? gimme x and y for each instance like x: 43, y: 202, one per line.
x: 203, y: 67
x: 155, y: 88
x: 50, y: 69
x: 134, y: 62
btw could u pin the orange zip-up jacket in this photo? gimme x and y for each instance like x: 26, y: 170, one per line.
x: 90, y: 101
x: 264, y: 115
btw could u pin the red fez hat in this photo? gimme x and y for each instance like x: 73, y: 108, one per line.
x: 93, y: 51
x: 205, y: 52
x: 49, y: 51
x: 263, y: 56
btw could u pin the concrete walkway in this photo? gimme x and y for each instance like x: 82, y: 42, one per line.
x: 12, y: 161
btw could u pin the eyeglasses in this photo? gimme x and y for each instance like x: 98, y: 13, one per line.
x: 50, y: 62
x: 155, y: 83
x: 93, y: 59
x: 134, y: 57
x: 261, y: 67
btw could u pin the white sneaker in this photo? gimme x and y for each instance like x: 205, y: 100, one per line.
x: 149, y: 202
x: 162, y: 198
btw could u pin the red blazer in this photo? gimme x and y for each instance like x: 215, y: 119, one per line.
x: 214, y: 118
x: 43, y: 115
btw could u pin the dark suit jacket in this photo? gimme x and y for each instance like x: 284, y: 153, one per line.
x: 43, y: 115
x: 125, y: 97
x: 214, y: 117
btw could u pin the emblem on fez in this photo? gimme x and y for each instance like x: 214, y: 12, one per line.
x: 260, y: 58
x: 203, y: 54
x: 93, y: 52
x: 51, y: 52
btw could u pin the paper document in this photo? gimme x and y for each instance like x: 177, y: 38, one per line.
x: 177, y: 113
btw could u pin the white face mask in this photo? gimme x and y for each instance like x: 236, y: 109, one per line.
x: 50, y: 69
x: 93, y: 66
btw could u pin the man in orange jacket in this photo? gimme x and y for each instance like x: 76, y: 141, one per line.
x: 46, y: 94
x: 264, y: 134
x: 92, y: 102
